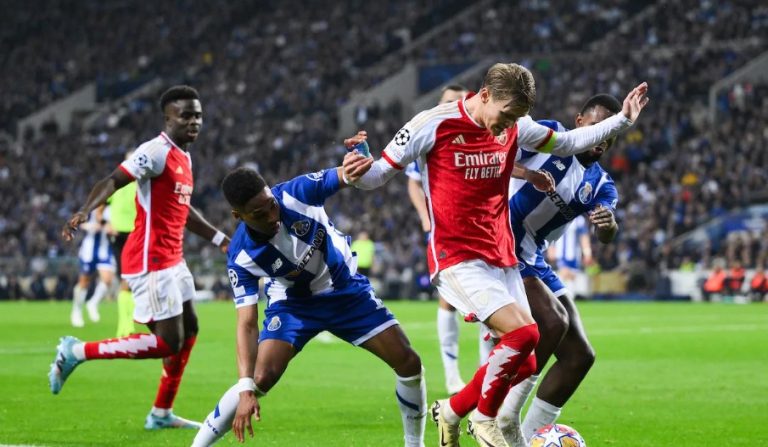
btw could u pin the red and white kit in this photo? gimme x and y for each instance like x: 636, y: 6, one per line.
x: 153, y: 257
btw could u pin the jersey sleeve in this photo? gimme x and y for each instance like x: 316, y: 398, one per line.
x: 245, y: 285
x: 607, y: 195
x: 313, y: 189
x: 544, y: 139
x: 147, y: 161
x: 524, y: 153
x: 415, y: 139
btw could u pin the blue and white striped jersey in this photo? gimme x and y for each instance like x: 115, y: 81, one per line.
x: 95, y: 247
x: 539, y: 218
x: 307, y: 258
x: 568, y: 247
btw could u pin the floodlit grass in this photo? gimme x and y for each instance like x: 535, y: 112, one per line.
x: 666, y: 375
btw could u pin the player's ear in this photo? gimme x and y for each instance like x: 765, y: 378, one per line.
x: 236, y: 214
x: 579, y: 119
x: 484, y: 94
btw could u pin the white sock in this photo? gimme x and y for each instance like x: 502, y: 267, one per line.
x: 98, y: 293
x: 449, y: 415
x: 78, y: 297
x: 78, y: 349
x: 509, y: 413
x: 219, y: 421
x: 411, y: 393
x: 485, y: 343
x: 539, y: 414
x: 448, y: 333
x: 161, y: 412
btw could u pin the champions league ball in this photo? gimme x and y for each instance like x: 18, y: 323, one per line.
x: 557, y: 435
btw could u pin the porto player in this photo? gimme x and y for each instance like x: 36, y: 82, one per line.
x: 538, y: 219
x: 312, y: 285
x: 152, y: 259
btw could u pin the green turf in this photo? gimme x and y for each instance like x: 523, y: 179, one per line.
x: 666, y: 375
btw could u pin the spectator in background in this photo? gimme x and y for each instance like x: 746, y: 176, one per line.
x: 10, y: 288
x: 365, y: 249
x: 37, y: 287
x: 758, y: 287
x: 736, y: 277
x: 714, y: 286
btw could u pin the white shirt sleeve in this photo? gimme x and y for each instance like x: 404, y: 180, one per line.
x: 147, y: 161
x: 414, y: 140
x: 533, y: 135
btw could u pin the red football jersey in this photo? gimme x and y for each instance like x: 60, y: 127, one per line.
x: 165, y: 182
x: 465, y: 174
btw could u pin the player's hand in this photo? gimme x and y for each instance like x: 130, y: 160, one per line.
x: 602, y: 217
x: 74, y: 222
x: 635, y: 101
x: 541, y: 180
x: 225, y: 245
x: 357, y: 139
x: 355, y: 166
x: 248, y: 405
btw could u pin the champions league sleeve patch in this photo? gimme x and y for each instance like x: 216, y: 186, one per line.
x: 141, y: 160
x: 233, y: 281
x: 402, y: 137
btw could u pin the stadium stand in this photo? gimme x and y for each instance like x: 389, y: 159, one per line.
x: 271, y: 96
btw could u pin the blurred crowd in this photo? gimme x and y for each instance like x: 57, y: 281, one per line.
x: 272, y: 77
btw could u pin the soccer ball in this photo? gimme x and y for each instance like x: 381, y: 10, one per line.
x: 557, y: 435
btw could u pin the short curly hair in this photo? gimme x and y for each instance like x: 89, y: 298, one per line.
x: 241, y: 185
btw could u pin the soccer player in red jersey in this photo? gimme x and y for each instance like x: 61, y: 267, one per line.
x: 466, y: 151
x: 152, y: 259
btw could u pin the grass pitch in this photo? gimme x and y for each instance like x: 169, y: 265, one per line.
x: 666, y: 375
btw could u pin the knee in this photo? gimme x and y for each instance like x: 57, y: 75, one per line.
x: 190, y: 324
x: 555, y: 324
x: 587, y: 358
x: 174, y: 342
x: 266, y: 379
x: 409, y: 365
x: 525, y: 338
x: 581, y: 359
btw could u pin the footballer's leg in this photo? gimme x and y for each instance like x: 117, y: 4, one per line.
x: 496, y: 297
x: 448, y: 335
x: 271, y: 363
x: 552, y: 320
x: 574, y: 357
x: 183, y: 337
x: 106, y: 275
x: 392, y: 346
x: 78, y: 299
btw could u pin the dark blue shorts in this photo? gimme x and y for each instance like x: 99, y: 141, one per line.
x: 543, y: 271
x: 356, y: 316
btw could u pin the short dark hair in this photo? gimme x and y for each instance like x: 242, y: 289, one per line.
x: 455, y: 88
x: 177, y: 92
x: 603, y: 99
x: 241, y: 185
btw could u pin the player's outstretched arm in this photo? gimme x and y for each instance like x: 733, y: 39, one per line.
x: 543, y: 139
x: 197, y: 224
x: 247, y: 352
x: 99, y: 194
